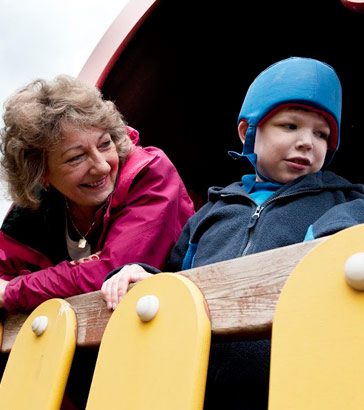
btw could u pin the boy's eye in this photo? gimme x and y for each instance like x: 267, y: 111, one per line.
x: 290, y: 126
x: 323, y: 135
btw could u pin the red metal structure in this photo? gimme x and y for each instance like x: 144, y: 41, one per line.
x: 355, y: 5
x: 179, y: 70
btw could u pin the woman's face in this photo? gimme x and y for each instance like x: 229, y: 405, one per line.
x: 83, y: 167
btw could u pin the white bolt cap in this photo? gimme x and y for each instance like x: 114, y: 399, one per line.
x: 39, y: 325
x: 147, y: 307
x: 354, y: 271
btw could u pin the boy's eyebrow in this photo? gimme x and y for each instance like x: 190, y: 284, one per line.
x: 298, y: 108
x: 291, y: 110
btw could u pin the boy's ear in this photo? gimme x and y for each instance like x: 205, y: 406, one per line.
x: 242, y: 129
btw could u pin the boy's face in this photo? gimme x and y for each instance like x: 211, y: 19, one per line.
x: 291, y: 143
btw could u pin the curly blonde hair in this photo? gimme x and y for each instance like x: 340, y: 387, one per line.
x: 35, y: 117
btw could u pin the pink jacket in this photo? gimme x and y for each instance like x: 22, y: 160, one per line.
x: 140, y: 222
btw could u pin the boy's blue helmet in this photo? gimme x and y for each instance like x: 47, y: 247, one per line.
x: 303, y: 81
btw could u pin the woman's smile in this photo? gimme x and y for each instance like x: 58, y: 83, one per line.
x: 95, y: 184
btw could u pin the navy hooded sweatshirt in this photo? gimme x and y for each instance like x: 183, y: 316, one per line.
x: 231, y: 224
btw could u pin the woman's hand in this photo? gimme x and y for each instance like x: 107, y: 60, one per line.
x: 3, y: 284
x: 115, y: 288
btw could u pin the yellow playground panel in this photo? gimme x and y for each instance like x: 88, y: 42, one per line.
x: 318, y: 330
x: 154, y: 352
x: 38, y: 366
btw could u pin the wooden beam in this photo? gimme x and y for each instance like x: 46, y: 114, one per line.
x: 241, y: 295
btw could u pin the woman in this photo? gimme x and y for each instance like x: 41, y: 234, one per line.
x: 87, y: 197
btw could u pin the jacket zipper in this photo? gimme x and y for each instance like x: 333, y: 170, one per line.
x: 258, y: 210
x: 253, y: 220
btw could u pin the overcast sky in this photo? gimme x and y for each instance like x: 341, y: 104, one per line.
x: 44, y: 38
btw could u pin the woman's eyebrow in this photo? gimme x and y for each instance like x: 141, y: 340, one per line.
x: 79, y: 146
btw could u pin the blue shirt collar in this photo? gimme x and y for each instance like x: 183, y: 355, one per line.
x: 250, y: 184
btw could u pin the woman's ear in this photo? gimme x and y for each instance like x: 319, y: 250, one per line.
x: 45, y: 181
x: 242, y: 129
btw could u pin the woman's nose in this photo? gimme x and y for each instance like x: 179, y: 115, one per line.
x: 99, y: 165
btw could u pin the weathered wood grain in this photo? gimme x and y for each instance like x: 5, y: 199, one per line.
x: 241, y: 295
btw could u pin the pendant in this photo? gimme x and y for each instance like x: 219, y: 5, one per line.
x: 82, y: 243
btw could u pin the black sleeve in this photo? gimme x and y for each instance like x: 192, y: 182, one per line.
x: 148, y: 268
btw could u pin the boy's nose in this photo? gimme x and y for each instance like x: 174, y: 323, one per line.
x: 304, y: 140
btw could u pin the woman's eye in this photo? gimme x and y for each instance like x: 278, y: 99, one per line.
x: 105, y: 144
x: 75, y: 158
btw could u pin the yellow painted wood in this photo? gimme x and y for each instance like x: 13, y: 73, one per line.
x: 156, y: 365
x: 318, y: 332
x: 38, y: 366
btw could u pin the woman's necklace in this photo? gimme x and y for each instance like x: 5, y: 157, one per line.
x: 82, y: 242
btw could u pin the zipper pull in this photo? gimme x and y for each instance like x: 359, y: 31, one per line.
x: 258, y: 211
x: 255, y: 216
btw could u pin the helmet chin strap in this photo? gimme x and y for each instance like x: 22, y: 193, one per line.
x: 248, y: 152
x: 253, y: 160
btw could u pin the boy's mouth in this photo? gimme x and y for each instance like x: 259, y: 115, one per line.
x: 300, y: 161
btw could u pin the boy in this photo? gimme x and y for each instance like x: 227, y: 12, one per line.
x: 289, y: 124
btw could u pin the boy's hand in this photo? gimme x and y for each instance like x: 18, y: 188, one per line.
x: 3, y: 284
x: 115, y: 288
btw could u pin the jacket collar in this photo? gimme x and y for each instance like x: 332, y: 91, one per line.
x: 326, y: 180
x: 137, y: 160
